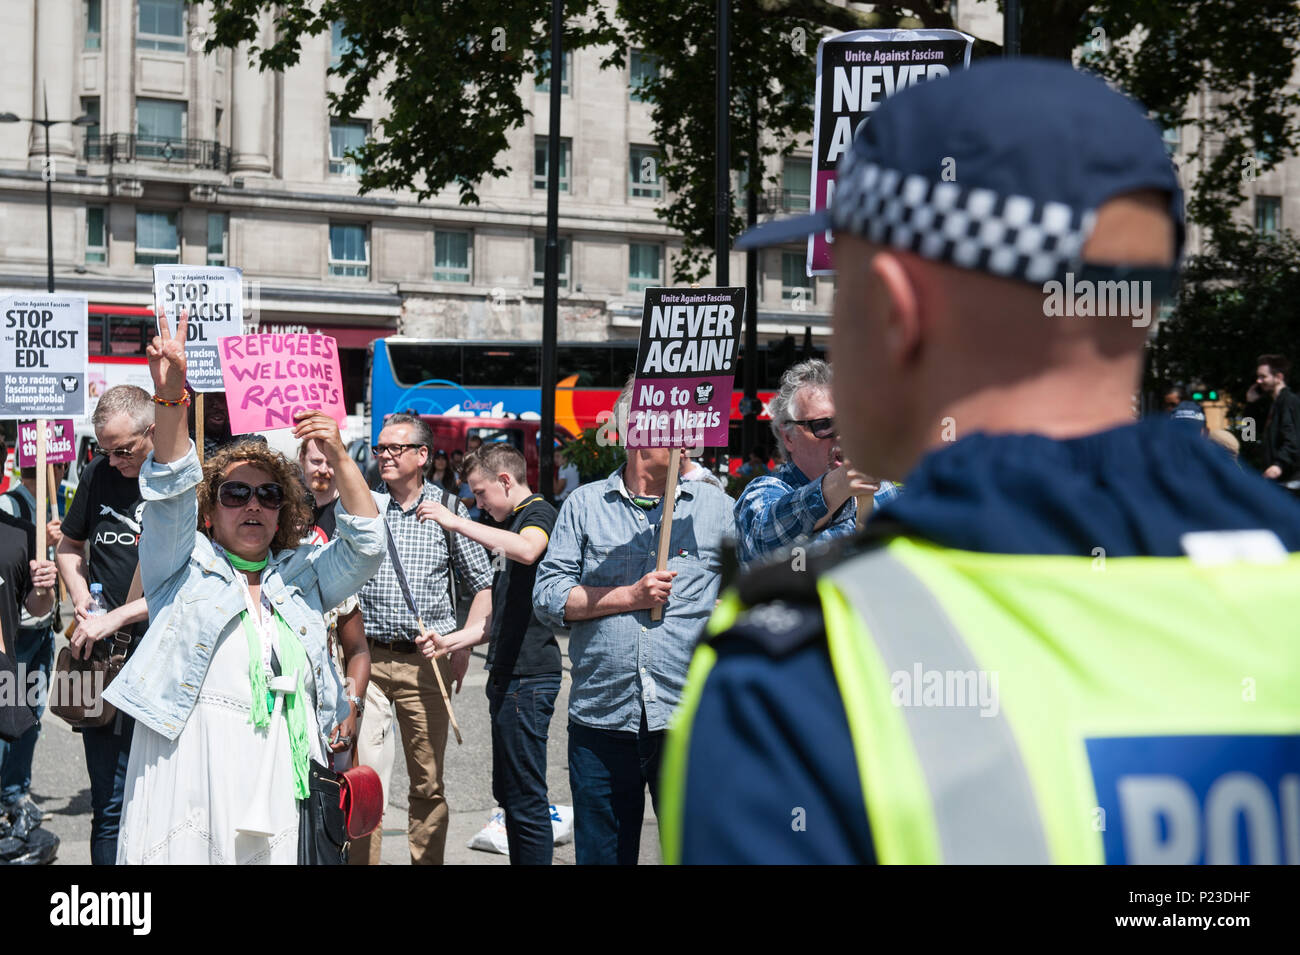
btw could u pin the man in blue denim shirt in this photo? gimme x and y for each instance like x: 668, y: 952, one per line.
x: 599, y: 578
x: 812, y: 496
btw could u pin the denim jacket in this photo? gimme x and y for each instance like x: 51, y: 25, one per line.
x: 193, y: 597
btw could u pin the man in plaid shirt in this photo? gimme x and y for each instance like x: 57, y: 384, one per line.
x: 812, y: 496
x: 400, y: 674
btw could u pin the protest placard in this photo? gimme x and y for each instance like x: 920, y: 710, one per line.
x: 59, y: 443
x: 685, y: 367
x: 212, y: 298
x: 856, y: 72
x: 42, y: 356
x: 269, y: 378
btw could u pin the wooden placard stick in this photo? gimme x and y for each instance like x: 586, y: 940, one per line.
x: 198, y: 425
x: 865, y: 503
x: 666, y: 525
x: 41, y: 491
x: 442, y: 687
x: 54, y: 516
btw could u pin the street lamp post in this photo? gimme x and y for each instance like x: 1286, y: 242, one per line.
x: 48, y: 176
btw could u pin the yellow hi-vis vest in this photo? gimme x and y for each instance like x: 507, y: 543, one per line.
x: 1036, y: 709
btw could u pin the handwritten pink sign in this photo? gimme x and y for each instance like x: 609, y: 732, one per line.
x: 269, y: 378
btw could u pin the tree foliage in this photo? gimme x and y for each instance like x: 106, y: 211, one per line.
x: 451, y: 72
x: 1237, y: 302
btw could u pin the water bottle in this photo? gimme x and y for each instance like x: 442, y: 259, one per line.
x: 96, y: 608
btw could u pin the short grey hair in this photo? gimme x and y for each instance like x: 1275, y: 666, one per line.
x: 813, y: 373
x: 623, y: 409
x: 130, y: 400
x: 422, y: 433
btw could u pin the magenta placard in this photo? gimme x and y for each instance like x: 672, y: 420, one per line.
x: 686, y: 368
x: 60, y: 445
x: 819, y: 243
x: 269, y: 378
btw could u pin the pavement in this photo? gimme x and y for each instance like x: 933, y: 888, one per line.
x: 61, y: 787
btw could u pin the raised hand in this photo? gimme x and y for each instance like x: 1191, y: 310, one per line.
x: 318, y: 426
x: 167, y: 356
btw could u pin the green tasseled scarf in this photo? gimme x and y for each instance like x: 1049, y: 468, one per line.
x: 293, y: 659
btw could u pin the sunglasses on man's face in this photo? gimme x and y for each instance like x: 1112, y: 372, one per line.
x: 820, y: 427
x: 237, y: 494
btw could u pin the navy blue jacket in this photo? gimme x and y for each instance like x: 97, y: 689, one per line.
x: 770, y: 746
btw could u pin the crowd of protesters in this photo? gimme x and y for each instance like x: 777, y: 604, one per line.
x: 355, y: 593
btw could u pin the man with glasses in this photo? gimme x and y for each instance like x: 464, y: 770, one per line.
x: 811, y: 496
x: 101, y: 536
x: 401, y: 678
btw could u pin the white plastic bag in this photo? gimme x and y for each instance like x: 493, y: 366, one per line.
x: 492, y: 837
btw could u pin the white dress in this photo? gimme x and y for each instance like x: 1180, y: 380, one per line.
x: 186, y: 800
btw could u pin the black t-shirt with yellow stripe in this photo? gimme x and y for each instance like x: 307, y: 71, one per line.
x: 519, y: 644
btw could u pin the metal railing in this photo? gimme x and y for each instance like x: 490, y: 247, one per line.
x: 128, y: 147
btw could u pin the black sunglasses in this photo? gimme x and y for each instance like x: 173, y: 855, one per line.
x: 237, y: 494
x: 820, y: 427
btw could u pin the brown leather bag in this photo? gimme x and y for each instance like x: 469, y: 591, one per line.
x: 77, y: 686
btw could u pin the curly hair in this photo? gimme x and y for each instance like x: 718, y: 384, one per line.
x: 295, y: 514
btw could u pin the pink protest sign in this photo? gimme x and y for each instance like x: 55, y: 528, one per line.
x: 58, y: 443
x: 269, y: 378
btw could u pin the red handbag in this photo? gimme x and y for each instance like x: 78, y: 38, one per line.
x: 361, y: 797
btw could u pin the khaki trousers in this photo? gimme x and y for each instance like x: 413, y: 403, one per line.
x: 403, y: 684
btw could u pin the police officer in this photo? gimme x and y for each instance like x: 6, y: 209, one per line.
x: 1073, y: 639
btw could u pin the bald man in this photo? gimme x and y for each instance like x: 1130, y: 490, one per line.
x: 1045, y: 650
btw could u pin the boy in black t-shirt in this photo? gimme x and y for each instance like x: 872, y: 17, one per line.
x: 523, y: 654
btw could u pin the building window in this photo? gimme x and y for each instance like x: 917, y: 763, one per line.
x: 159, y: 128
x: 340, y: 45
x: 1268, y: 214
x: 642, y: 68
x: 349, y: 251
x: 93, y: 13
x: 345, y: 136
x: 96, y: 241
x: 643, y: 267
x: 216, y: 123
x: 161, y: 25
x: 643, y: 173
x: 451, y: 257
x: 90, y: 107
x: 796, y: 183
x: 156, y: 240
x: 566, y: 70
x: 539, y: 261
x: 1265, y: 152
x: 795, y: 285
x: 218, y: 232
x: 1173, y: 138
x: 541, y: 156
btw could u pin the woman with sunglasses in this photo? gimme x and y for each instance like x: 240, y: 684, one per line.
x: 231, y: 688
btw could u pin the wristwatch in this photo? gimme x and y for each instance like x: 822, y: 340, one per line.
x: 358, y: 702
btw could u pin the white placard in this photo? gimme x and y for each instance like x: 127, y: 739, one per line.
x: 42, y: 356
x: 212, y: 298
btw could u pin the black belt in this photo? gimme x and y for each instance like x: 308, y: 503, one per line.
x: 401, y: 646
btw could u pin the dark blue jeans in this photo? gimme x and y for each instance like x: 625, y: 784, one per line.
x: 608, y: 773
x: 33, y: 653
x: 107, y: 750
x: 521, y: 716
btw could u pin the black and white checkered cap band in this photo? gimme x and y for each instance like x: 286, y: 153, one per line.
x: 1006, y: 235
